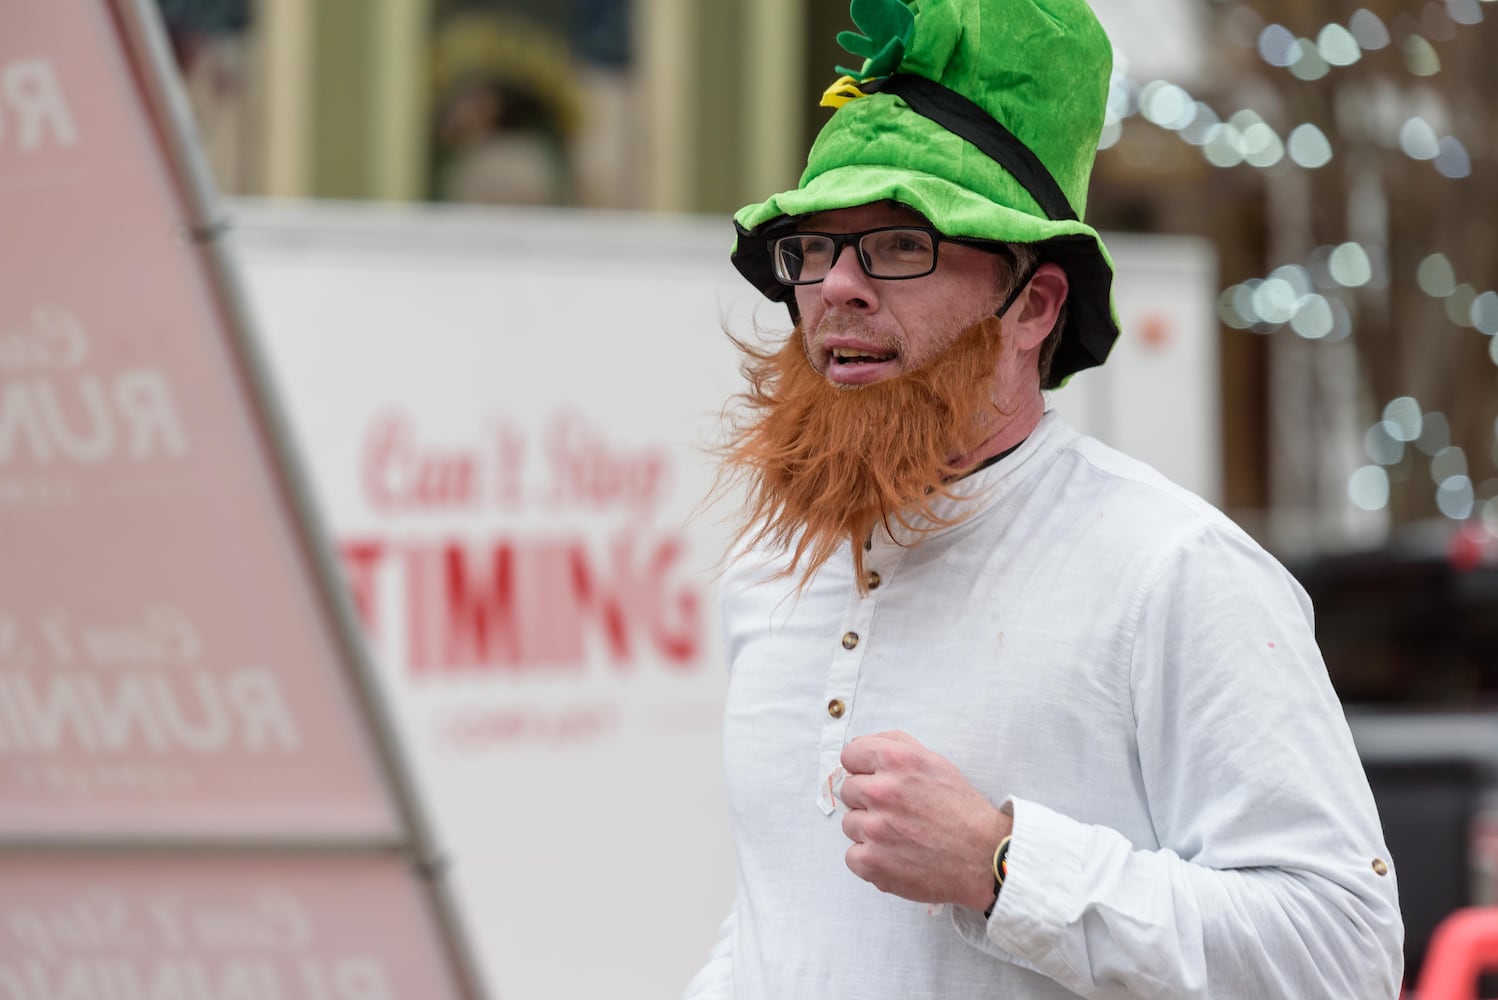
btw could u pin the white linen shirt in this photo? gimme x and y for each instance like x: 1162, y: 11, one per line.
x: 1128, y: 673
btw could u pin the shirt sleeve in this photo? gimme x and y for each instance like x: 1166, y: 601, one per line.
x: 1271, y: 879
x: 715, y: 980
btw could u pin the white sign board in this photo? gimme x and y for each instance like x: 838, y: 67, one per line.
x: 1157, y: 397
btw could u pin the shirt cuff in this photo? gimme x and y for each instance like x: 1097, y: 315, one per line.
x: 1041, y: 894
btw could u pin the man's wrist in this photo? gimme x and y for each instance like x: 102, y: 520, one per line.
x: 999, y: 868
x: 983, y: 898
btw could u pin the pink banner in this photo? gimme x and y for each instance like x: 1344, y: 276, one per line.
x: 317, y: 928
x: 166, y: 662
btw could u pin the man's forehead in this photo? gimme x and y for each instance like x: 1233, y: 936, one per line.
x: 869, y: 216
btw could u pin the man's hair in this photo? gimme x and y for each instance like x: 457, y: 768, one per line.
x: 1024, y: 257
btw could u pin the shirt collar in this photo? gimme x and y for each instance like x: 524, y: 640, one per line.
x: 979, y: 490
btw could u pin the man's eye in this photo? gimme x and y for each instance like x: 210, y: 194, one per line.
x: 816, y: 250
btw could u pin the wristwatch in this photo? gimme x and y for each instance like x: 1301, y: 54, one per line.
x: 1000, y: 871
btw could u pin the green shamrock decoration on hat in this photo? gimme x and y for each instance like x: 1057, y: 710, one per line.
x: 982, y: 115
x: 887, y: 26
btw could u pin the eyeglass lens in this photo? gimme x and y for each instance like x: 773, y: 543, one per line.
x: 804, y: 258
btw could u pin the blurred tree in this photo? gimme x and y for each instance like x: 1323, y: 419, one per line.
x: 1405, y: 95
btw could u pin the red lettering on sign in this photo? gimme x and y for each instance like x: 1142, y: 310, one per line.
x: 590, y: 471
x: 401, y: 474
x: 545, y: 603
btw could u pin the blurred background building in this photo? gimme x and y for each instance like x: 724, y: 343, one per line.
x: 1342, y: 157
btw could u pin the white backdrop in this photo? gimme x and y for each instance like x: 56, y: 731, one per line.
x: 504, y: 415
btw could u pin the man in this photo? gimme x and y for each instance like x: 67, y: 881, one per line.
x: 1009, y: 714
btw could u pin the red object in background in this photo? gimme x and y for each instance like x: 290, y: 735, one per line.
x: 1471, y: 546
x: 1156, y: 330
x: 1463, y: 946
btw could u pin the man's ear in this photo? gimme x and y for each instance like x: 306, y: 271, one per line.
x: 1038, y: 306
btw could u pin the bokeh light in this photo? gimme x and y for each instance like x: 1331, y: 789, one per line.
x: 1435, y: 436
x: 1436, y: 276
x: 1448, y: 463
x: 1381, y: 446
x: 1298, y: 277
x: 1338, y: 46
x: 1455, y: 498
x: 1262, y: 146
x: 1349, y: 265
x: 1166, y: 105
x: 1275, y: 300
x: 1112, y: 132
x: 1459, y: 304
x: 1452, y: 159
x: 1484, y: 313
x: 1313, y: 318
x: 1223, y: 147
x: 1464, y: 12
x: 1369, y: 30
x: 1368, y: 487
x: 1418, y: 139
x: 1199, y: 129
x: 1341, y: 321
x: 1420, y: 56
x: 1308, y: 64
x: 1278, y: 45
x: 1402, y: 419
x: 1309, y: 147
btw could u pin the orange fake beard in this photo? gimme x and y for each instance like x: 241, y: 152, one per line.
x: 822, y: 465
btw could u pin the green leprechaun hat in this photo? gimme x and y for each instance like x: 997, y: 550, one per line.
x: 982, y: 115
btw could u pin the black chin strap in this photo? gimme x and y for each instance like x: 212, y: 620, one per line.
x: 1019, y: 286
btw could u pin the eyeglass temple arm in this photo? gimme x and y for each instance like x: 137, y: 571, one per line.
x: 1019, y: 286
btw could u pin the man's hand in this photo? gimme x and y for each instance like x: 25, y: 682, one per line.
x: 919, y: 829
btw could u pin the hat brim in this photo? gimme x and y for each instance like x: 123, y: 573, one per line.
x: 1092, y: 320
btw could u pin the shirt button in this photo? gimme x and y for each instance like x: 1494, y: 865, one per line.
x: 850, y: 640
x: 873, y: 581
x: 836, y: 708
x: 1379, y: 867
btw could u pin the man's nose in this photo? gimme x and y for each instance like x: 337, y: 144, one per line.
x: 847, y: 286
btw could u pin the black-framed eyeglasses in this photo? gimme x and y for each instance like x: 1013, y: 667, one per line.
x: 890, y: 253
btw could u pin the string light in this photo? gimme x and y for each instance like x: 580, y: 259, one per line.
x: 1465, y: 306
x: 1309, y: 147
x: 1350, y: 266
x: 1452, y: 159
x: 1245, y: 137
x: 1383, y: 447
x: 1339, y: 46
x: 1435, y: 434
x: 1404, y: 422
x: 1315, y: 300
x: 1464, y: 12
x: 1403, y: 419
x: 1420, y: 56
x: 1307, y: 298
x: 1368, y: 30
x: 1368, y: 487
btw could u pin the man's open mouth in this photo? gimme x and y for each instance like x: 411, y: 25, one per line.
x: 849, y: 356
